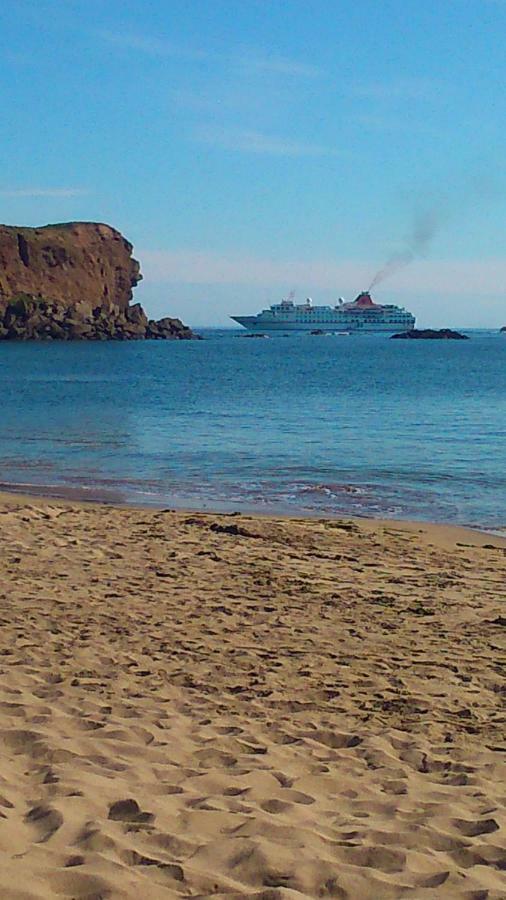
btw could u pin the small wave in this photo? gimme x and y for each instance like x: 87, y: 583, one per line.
x: 499, y: 531
x: 330, y: 490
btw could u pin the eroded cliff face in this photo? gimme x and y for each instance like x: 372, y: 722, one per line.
x: 73, y: 281
x: 75, y: 264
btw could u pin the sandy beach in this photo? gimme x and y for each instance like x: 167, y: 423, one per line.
x: 196, y: 705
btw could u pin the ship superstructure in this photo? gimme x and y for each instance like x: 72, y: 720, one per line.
x: 362, y: 315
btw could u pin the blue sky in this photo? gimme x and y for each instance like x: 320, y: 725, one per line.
x: 252, y: 148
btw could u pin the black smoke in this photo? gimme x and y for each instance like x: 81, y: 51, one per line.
x: 425, y: 226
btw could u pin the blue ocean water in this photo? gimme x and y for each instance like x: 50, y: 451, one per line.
x: 307, y: 424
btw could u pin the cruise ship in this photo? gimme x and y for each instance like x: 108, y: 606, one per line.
x: 362, y: 315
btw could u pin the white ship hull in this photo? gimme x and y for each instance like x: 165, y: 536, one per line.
x: 252, y: 324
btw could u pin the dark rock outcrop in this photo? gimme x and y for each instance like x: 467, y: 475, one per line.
x: 503, y: 329
x: 430, y: 334
x: 73, y: 281
x: 28, y: 318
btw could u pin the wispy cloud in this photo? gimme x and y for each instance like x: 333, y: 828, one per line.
x: 247, y: 60
x: 479, y: 277
x: 44, y: 192
x: 400, y: 89
x: 203, y: 267
x: 377, y: 120
x: 206, y: 101
x: 153, y: 46
x: 395, y: 123
x: 277, y: 65
x: 258, y: 142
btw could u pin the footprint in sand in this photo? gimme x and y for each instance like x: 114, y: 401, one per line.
x: 129, y: 811
x: 79, y: 885
x: 473, y: 829
x: 45, y: 820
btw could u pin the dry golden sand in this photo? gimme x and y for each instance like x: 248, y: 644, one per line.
x: 200, y: 705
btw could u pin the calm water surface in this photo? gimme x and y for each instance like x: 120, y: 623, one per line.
x: 324, y: 425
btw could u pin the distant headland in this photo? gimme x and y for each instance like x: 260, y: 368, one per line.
x: 73, y: 281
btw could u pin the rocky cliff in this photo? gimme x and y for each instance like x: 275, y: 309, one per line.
x: 73, y: 281
x: 74, y: 263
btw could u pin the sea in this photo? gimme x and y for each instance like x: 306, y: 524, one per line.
x: 307, y: 425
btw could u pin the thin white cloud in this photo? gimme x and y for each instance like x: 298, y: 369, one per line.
x: 376, y: 120
x: 44, y: 192
x: 202, y: 267
x: 153, y: 46
x: 246, y: 60
x: 395, y: 123
x: 206, y: 102
x: 258, y: 142
x: 478, y: 277
x: 278, y: 65
x: 400, y: 89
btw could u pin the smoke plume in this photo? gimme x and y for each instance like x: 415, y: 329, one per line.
x: 425, y: 226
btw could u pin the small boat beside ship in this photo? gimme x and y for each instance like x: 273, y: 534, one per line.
x: 361, y: 315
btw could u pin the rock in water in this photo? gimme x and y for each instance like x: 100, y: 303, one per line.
x: 73, y: 281
x: 430, y: 334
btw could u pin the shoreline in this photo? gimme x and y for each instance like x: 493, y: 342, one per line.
x: 85, y: 496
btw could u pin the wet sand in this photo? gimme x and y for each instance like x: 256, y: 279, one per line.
x: 195, y: 705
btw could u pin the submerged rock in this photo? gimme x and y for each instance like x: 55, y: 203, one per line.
x: 73, y: 281
x: 253, y: 335
x: 431, y: 334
